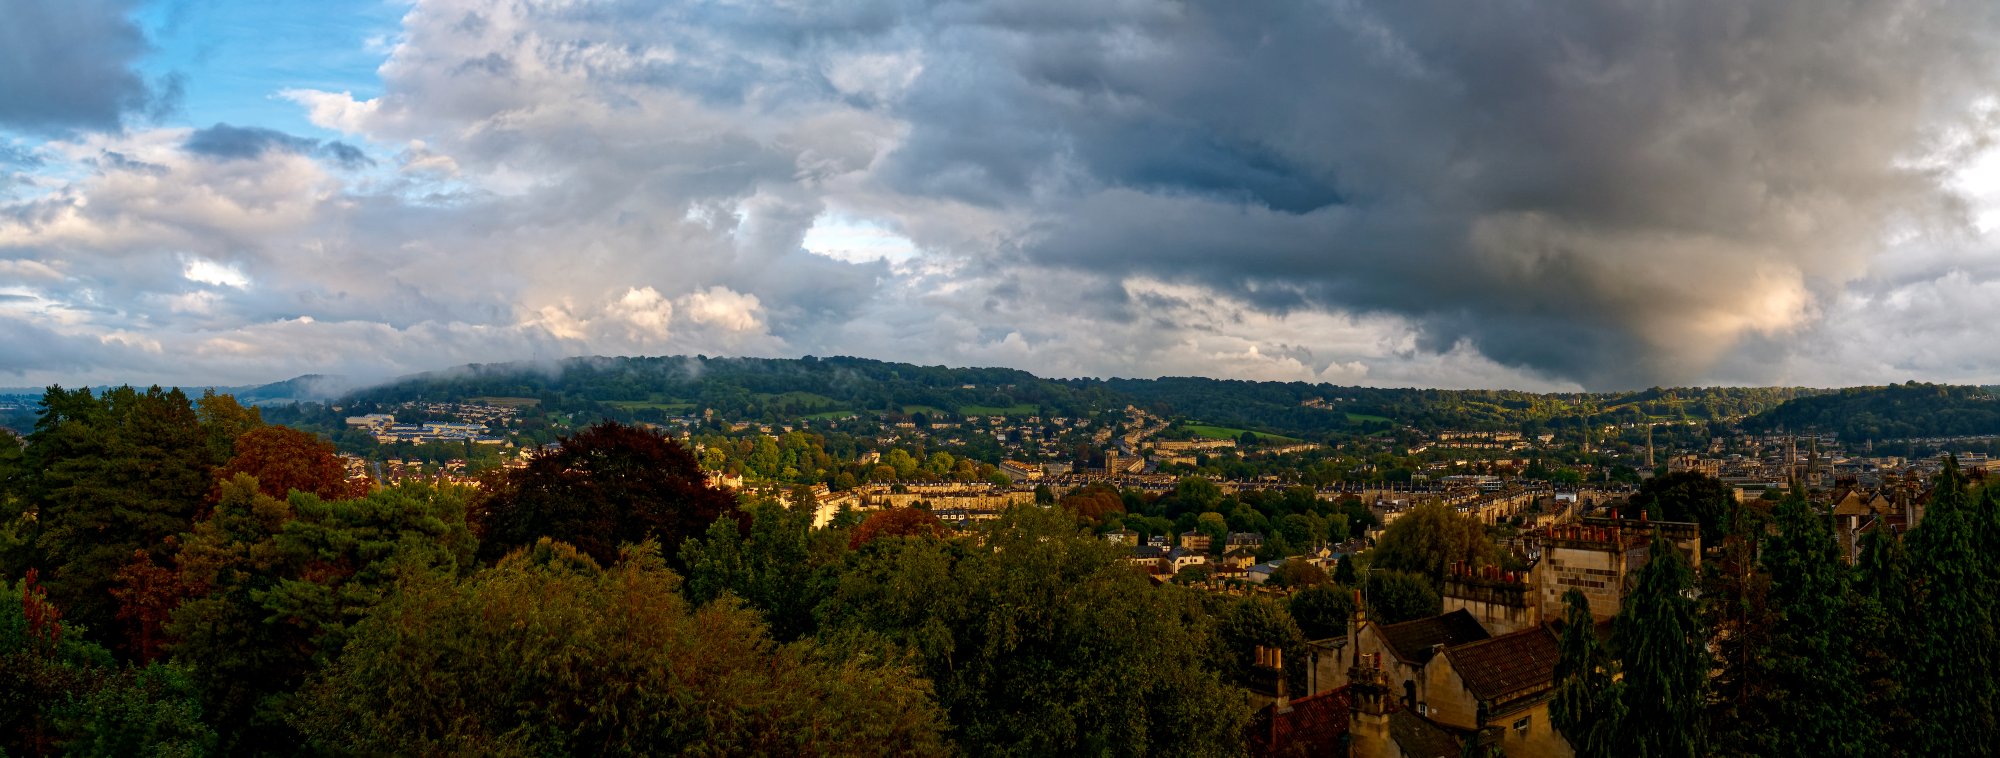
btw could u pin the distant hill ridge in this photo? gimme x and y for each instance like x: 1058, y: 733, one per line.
x: 1896, y: 411
x: 789, y: 387
x: 674, y: 385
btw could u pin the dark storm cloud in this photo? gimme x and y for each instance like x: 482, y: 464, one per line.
x: 244, y: 142
x: 67, y: 64
x: 1613, y: 192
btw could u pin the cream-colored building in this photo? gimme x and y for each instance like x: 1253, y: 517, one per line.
x: 1460, y: 680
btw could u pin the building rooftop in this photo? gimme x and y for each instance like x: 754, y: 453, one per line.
x: 1414, y: 641
x: 1509, y: 667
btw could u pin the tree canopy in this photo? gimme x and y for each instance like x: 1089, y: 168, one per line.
x: 601, y: 487
x: 548, y: 653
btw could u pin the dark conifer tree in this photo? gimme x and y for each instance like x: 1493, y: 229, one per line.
x: 1736, y: 606
x: 1951, y: 675
x: 1883, y: 619
x: 1663, y: 646
x: 1587, y: 709
x: 1814, y: 704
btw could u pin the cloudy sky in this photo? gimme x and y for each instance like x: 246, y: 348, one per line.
x: 1408, y: 192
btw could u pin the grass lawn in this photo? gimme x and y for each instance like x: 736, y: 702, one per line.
x: 506, y: 402
x: 1360, y: 417
x: 994, y: 410
x: 635, y: 405
x: 930, y: 411
x: 807, y: 399
x: 1226, y: 433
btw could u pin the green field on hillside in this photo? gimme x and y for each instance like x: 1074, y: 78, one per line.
x: 806, y: 399
x: 994, y: 410
x: 506, y: 402
x: 636, y: 405
x: 1226, y: 433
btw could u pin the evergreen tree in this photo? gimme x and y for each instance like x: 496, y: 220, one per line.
x: 1663, y: 649
x: 1883, y: 619
x: 1736, y: 605
x: 113, y: 475
x: 1951, y: 675
x: 1586, y: 709
x: 1814, y: 704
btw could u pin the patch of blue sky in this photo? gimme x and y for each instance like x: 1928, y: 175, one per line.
x: 235, y: 56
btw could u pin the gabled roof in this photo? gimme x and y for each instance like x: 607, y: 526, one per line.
x: 1882, y: 505
x: 1419, y: 737
x: 1412, y: 640
x: 1315, y: 725
x: 1852, y: 505
x: 1508, y: 667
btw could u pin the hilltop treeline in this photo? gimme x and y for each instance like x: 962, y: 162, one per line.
x: 1897, y: 411
x: 647, y: 388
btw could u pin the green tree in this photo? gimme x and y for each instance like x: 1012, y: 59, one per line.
x: 1884, y: 619
x: 1253, y: 621
x: 1041, y: 641
x: 276, y: 585
x: 1737, y: 608
x: 1215, y: 526
x: 1398, y: 596
x: 112, y: 475
x: 1587, y: 708
x: 546, y: 653
x: 1431, y: 537
x: 1662, y: 647
x: 61, y: 692
x: 1815, y: 703
x: 1686, y: 496
x: 1197, y: 494
x: 781, y: 567
x: 1321, y: 610
x: 1953, y: 630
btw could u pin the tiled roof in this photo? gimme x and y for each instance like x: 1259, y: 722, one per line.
x: 1852, y: 505
x: 1508, y: 667
x: 1412, y: 640
x: 1314, y: 726
x: 1420, y: 738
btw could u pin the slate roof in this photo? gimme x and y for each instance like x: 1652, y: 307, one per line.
x: 1508, y: 667
x: 1421, y: 738
x: 1412, y: 640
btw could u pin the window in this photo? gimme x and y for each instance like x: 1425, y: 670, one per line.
x: 1521, y: 727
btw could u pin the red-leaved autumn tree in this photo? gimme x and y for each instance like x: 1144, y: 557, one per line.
x: 895, y: 522
x: 147, y: 595
x: 285, y: 459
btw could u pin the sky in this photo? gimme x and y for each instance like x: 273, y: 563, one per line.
x: 1430, y: 193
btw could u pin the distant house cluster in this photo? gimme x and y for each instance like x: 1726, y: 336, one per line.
x: 385, y: 429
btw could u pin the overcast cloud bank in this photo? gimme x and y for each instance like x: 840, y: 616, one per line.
x: 1412, y: 193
